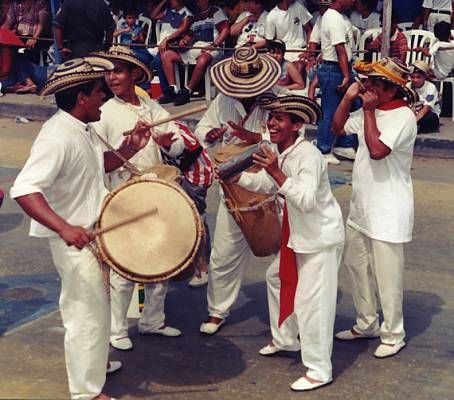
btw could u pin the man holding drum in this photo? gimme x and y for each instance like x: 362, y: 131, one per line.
x: 62, y: 188
x: 233, y: 117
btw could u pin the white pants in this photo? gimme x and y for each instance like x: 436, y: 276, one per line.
x: 230, y: 256
x: 152, y: 316
x: 435, y: 18
x: 84, y: 308
x: 376, y: 267
x: 314, y: 310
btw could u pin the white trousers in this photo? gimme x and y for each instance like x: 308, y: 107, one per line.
x: 435, y: 18
x: 152, y: 316
x: 84, y: 308
x: 314, y: 310
x: 230, y: 256
x: 376, y: 267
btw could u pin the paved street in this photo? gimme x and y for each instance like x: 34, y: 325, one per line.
x: 227, y: 366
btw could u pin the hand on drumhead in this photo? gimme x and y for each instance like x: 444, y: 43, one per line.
x: 215, y: 134
x: 140, y: 135
x: 164, y: 139
x: 76, y: 236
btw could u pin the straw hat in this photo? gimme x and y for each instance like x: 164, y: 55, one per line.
x: 391, y: 70
x: 76, y: 72
x: 246, y: 73
x: 304, y: 107
x: 421, y: 66
x: 125, y: 54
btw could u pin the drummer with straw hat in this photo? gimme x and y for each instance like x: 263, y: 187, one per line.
x: 381, y: 209
x: 61, y: 187
x: 302, y: 281
x: 233, y: 117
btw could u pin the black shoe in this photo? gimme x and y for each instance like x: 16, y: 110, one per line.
x: 182, y: 98
x: 168, y: 97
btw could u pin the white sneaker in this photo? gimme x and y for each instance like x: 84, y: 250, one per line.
x: 113, y: 366
x: 349, y: 335
x: 210, y: 328
x: 269, y: 350
x: 330, y: 159
x: 386, y: 350
x: 303, y: 384
x: 123, y: 343
x: 165, y: 331
x: 345, y: 152
x: 196, y: 281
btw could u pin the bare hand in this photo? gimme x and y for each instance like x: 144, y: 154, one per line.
x: 164, y: 139
x: 76, y: 236
x: 243, y: 134
x: 252, y: 18
x: 208, y: 49
x: 65, y: 52
x: 268, y: 159
x: 139, y: 136
x: 353, y: 91
x: 30, y: 43
x: 163, y: 46
x: 370, y: 100
x: 215, y: 134
x: 344, y: 85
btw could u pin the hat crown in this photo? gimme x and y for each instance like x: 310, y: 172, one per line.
x: 245, y: 62
x: 393, y: 69
x: 118, y: 49
x: 76, y: 65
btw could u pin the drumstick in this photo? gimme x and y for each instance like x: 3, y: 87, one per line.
x: 182, y: 114
x: 126, y: 221
x: 361, y: 85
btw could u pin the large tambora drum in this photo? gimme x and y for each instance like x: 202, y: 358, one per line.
x: 156, y: 247
x: 256, y: 214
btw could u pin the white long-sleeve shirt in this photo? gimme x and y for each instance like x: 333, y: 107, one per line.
x: 66, y: 165
x: 118, y: 117
x: 315, y: 218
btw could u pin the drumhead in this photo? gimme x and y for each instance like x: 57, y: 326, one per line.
x: 155, y: 247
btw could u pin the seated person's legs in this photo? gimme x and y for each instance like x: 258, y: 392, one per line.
x: 168, y: 58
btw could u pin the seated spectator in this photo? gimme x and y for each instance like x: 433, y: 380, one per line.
x: 364, y: 17
x: 441, y: 51
x: 4, y: 8
x: 209, y: 30
x: 291, y: 77
x: 398, y: 46
x: 87, y: 25
x: 289, y: 21
x: 250, y: 25
x: 436, y: 11
x: 428, y: 109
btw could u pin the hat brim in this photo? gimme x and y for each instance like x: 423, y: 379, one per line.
x: 410, y: 95
x: 304, y: 107
x: 239, y: 87
x: 146, y: 75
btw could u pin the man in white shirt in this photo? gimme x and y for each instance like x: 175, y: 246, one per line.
x: 233, y: 117
x: 381, y: 208
x: 334, y: 76
x: 61, y: 187
x: 119, y: 115
x: 302, y: 281
x: 250, y: 25
x: 436, y: 11
x: 364, y: 17
x: 289, y: 21
x: 427, y: 109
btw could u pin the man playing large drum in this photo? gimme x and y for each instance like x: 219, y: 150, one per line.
x: 61, y: 187
x: 233, y: 117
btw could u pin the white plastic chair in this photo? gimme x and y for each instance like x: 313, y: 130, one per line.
x: 144, y: 22
x: 418, y: 38
x: 370, y: 34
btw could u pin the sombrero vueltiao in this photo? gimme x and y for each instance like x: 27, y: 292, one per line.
x: 246, y: 73
x: 421, y: 66
x: 126, y: 55
x: 304, y: 107
x: 76, y: 72
x: 391, y: 70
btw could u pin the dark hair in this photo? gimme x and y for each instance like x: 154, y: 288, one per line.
x: 277, y: 45
x: 442, y: 31
x: 295, y: 118
x: 66, y: 99
x: 131, y: 11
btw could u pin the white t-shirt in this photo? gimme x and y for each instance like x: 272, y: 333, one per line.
x: 171, y: 21
x: 442, y: 5
x: 428, y: 96
x: 363, y: 24
x: 335, y: 28
x: 315, y: 33
x: 443, y: 60
x: 254, y: 29
x: 287, y: 25
x: 381, y: 206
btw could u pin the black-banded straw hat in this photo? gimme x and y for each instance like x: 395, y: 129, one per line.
x: 76, y: 72
x: 304, y: 107
x: 125, y: 54
x: 245, y: 74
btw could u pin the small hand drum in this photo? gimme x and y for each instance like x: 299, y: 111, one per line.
x: 156, y: 247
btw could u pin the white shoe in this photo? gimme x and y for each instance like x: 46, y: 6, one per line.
x: 113, y: 366
x: 165, y: 331
x: 269, y: 349
x: 123, y: 343
x: 349, y: 335
x: 303, y: 384
x: 196, y: 281
x: 345, y: 152
x: 386, y: 350
x: 210, y: 328
x: 330, y: 159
